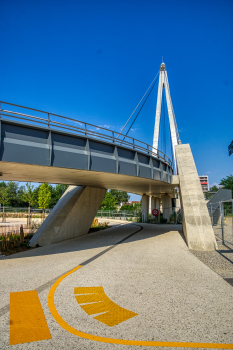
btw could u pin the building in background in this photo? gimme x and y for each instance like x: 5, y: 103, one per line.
x: 204, y: 183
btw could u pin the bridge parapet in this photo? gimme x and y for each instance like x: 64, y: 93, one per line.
x: 55, y: 122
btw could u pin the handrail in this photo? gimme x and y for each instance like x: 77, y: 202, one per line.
x: 111, y: 136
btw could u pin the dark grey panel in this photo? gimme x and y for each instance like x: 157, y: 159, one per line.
x: 164, y: 167
x: 102, y: 164
x: 165, y: 176
x: 63, y: 159
x: 127, y: 168
x: 144, y: 172
x: 125, y: 153
x: 156, y: 163
x: 24, y: 154
x: 23, y: 133
x: 68, y: 141
x: 157, y: 175
x: 143, y: 159
x: 100, y: 147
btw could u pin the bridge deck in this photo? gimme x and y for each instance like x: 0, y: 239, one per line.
x: 39, y: 154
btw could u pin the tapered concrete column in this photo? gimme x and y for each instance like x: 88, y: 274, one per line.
x: 145, y: 207
x: 167, y: 207
x: 71, y: 217
x: 196, y: 222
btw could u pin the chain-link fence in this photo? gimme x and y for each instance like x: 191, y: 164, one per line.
x: 221, y: 214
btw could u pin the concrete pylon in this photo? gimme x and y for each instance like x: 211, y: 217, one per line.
x: 145, y: 207
x: 167, y: 207
x: 71, y: 217
x: 196, y: 221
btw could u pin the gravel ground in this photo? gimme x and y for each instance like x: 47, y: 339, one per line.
x: 220, y: 261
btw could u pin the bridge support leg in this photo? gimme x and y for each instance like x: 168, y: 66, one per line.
x: 71, y: 217
x: 167, y: 207
x: 196, y: 222
x: 145, y: 207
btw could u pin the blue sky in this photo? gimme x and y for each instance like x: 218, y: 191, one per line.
x: 93, y: 60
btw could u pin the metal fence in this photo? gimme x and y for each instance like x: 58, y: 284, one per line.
x: 8, y: 213
x: 127, y: 215
x: 57, y: 122
x: 166, y: 215
x: 221, y: 214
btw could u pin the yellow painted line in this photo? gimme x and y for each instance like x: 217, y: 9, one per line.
x: 27, y: 319
x: 80, y: 334
x: 113, y: 313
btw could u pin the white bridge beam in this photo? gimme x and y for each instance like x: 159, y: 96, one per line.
x: 163, y: 83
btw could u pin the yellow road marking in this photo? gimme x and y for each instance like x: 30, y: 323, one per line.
x: 80, y: 334
x: 27, y: 319
x: 113, y: 314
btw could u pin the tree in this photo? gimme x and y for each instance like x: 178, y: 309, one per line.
x: 4, y: 199
x: 127, y: 207
x: 121, y: 196
x: 28, y: 195
x: 12, y: 188
x: 56, y: 194
x: 44, y: 197
x: 214, y: 189
x: 109, y: 202
x: 227, y: 182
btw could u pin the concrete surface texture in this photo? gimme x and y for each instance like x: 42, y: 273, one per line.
x: 72, y: 216
x: 152, y: 273
x: 197, y: 226
x: 167, y: 207
x: 145, y: 207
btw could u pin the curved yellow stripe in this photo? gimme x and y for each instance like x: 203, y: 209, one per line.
x: 80, y: 334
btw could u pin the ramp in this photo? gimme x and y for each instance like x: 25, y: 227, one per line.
x: 197, y: 226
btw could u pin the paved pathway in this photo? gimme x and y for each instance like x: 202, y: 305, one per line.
x: 153, y: 291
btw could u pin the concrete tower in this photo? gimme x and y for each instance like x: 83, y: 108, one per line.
x: 163, y: 83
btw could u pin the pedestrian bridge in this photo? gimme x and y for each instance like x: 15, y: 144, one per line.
x: 40, y: 146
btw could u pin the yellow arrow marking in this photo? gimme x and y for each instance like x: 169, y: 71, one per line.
x: 84, y: 335
x: 113, y: 314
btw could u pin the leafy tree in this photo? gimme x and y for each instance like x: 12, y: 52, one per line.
x: 28, y: 196
x: 121, y: 196
x: 214, y: 189
x: 56, y: 193
x: 44, y: 196
x: 12, y: 189
x: 4, y: 199
x: 127, y: 207
x: 109, y: 202
x: 227, y: 182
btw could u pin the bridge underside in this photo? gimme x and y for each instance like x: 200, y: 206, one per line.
x: 35, y: 173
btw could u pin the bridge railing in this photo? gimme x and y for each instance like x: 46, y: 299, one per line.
x: 57, y: 122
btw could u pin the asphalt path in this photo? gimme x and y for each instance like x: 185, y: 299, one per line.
x: 158, y: 293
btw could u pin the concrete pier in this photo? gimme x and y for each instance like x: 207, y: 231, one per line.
x: 196, y: 221
x: 71, y: 217
x: 167, y: 207
x: 145, y: 207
